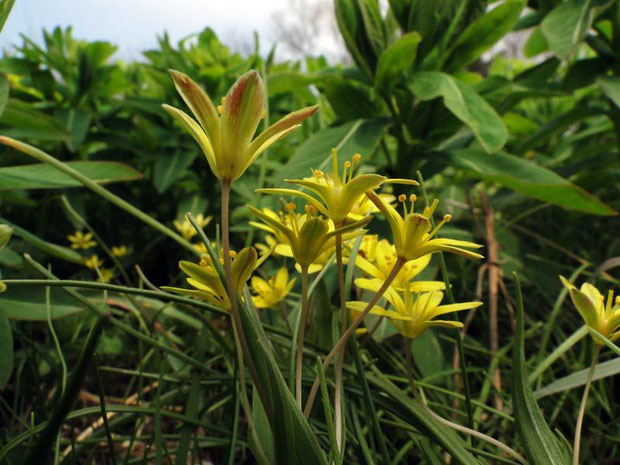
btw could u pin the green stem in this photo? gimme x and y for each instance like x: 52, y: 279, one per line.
x: 340, y: 361
x: 448, y: 423
x: 459, y: 340
x: 96, y: 188
x: 558, y: 352
x: 582, y: 407
x: 301, y: 332
x: 345, y: 337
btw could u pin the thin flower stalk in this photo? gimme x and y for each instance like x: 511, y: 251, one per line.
x: 582, y: 406
x: 303, y: 321
x: 350, y: 330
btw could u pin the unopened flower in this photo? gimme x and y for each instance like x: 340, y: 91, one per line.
x: 414, y: 312
x: 599, y: 315
x: 309, y: 235
x: 93, y: 262
x: 79, y: 240
x: 185, y: 227
x: 226, y: 137
x: 336, y: 195
x: 206, y: 282
x: 272, y: 291
x: 412, y: 233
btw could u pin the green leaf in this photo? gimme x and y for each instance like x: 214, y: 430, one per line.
x: 529, y: 179
x: 4, y: 92
x: 64, y: 253
x: 263, y: 452
x: 294, y: 441
x: 43, y: 176
x: 169, y: 169
x: 535, y: 44
x: 610, y: 85
x: 602, y: 370
x: 397, y: 58
x: 6, y: 349
x: 5, y: 235
x: 541, y: 446
x: 24, y: 121
x: 483, y: 33
x: 465, y: 104
x: 428, y: 354
x: 5, y: 10
x: 566, y: 25
x: 28, y: 303
x: 360, y: 136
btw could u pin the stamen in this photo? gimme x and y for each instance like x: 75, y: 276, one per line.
x: 290, y: 208
x: 310, y: 210
x: 356, y: 158
x: 402, y: 198
x: 446, y: 219
x: 335, y: 175
x: 318, y: 174
x: 347, y: 165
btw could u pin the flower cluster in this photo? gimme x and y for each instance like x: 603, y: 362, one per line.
x: 85, y: 241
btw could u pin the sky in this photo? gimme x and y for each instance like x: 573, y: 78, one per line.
x: 133, y: 25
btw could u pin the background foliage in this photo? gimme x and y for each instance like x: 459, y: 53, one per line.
x: 523, y: 153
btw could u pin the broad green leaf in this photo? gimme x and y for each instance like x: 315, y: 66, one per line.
x: 535, y: 44
x: 64, y: 253
x: 610, y: 85
x: 28, y: 303
x: 566, y: 25
x: 43, y: 176
x: 169, y: 169
x: 5, y: 10
x: 602, y: 370
x: 360, y: 136
x: 294, y: 441
x: 541, y: 446
x: 397, y: 58
x: 4, y: 92
x: 25, y: 122
x: 428, y: 354
x: 6, y: 348
x: 351, y: 100
x: 263, y: 452
x: 465, y: 104
x: 529, y: 179
x: 483, y: 33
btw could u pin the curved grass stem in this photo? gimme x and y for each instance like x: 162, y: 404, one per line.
x: 448, y: 423
x: 340, y: 361
x: 582, y: 406
x: 301, y: 331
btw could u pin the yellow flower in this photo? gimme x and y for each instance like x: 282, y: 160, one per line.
x: 385, y: 258
x: 604, y: 318
x: 79, y: 240
x: 185, y: 227
x: 414, y: 312
x: 308, y: 236
x: 93, y: 262
x: 120, y: 251
x: 279, y: 243
x: 272, y: 291
x: 412, y: 233
x: 337, y: 196
x: 106, y: 275
x: 204, y: 279
x: 225, y: 134
x: 365, y: 207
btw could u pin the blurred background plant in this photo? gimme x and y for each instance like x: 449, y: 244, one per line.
x: 523, y: 150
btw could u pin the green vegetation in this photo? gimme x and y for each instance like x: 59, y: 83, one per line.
x: 98, y: 364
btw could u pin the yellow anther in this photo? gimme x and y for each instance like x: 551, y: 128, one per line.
x: 232, y: 253
x: 357, y: 157
x: 219, y: 109
x: 221, y: 261
x: 347, y: 164
x: 290, y: 206
x: 402, y: 198
x: 447, y: 217
x: 318, y: 174
x: 413, y: 198
x: 310, y: 210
